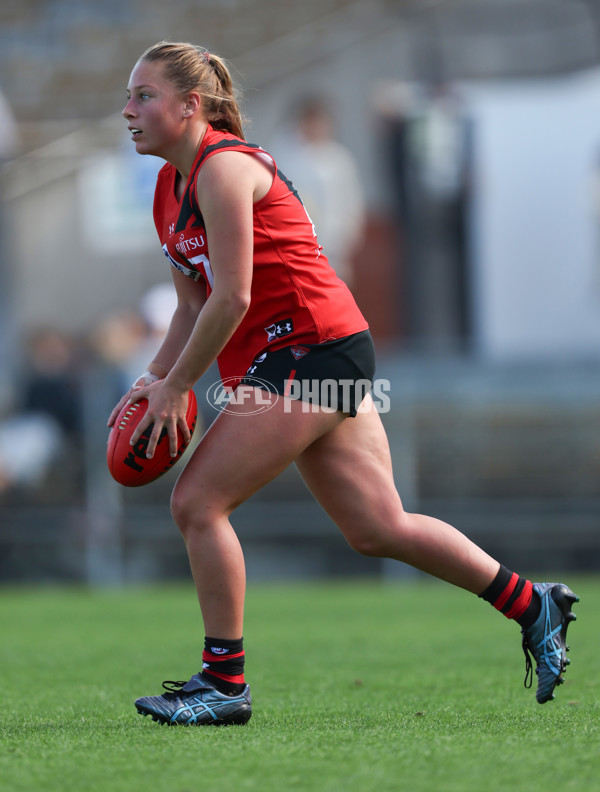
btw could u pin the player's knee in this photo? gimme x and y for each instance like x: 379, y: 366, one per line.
x: 193, y: 514
x: 368, y: 544
x: 182, y: 509
x: 365, y: 547
x: 383, y: 540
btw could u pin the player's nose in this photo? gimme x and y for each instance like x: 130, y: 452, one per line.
x: 127, y: 111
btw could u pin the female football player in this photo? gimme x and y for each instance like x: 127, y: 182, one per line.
x: 255, y: 292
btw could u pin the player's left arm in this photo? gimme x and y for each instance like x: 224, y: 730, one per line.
x: 226, y: 188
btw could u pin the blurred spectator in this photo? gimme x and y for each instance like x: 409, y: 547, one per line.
x: 116, y: 342
x: 47, y: 419
x: 428, y: 140
x: 29, y: 444
x: 326, y: 177
x: 51, y: 383
x: 125, y: 341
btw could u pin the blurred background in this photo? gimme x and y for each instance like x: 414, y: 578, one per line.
x: 449, y: 155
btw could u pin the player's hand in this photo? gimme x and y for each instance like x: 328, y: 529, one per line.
x: 167, y: 408
x: 144, y: 379
x: 122, y: 402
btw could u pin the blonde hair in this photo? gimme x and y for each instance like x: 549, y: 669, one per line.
x: 192, y: 68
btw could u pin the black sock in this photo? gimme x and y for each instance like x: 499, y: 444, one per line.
x: 514, y: 597
x: 223, y: 664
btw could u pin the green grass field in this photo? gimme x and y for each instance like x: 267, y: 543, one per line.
x: 356, y: 687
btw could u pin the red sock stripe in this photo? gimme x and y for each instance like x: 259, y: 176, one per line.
x: 505, y: 596
x: 209, y: 657
x: 521, y: 604
x: 212, y: 662
x: 237, y: 678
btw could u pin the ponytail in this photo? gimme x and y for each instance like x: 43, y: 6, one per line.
x: 222, y: 109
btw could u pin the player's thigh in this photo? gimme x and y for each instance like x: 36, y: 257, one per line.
x: 349, y: 471
x: 243, y: 450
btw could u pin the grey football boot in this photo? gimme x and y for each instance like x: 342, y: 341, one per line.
x: 546, y: 638
x: 197, y: 703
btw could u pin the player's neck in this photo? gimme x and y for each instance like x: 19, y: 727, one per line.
x: 183, y: 158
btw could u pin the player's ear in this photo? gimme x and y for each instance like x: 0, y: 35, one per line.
x: 192, y: 104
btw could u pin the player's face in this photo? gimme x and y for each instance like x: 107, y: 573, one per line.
x: 154, y: 110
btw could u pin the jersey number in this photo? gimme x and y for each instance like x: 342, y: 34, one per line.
x: 203, y: 260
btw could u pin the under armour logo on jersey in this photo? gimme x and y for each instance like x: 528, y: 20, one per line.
x: 279, y: 329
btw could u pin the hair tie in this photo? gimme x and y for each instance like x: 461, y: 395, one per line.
x: 206, y: 56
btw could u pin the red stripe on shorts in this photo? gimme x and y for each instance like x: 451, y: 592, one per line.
x: 288, y: 382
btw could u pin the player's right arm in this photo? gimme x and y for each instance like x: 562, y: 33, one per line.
x: 191, y: 296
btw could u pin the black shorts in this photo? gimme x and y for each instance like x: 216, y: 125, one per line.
x: 336, y: 374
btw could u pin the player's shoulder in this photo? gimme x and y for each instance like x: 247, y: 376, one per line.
x: 231, y: 172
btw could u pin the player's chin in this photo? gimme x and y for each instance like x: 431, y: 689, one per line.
x: 145, y: 147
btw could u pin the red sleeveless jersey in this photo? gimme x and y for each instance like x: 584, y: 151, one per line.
x: 296, y: 297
